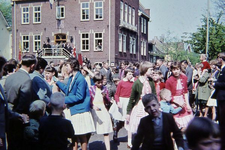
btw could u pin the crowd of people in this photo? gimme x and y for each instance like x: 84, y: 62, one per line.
x: 162, y: 105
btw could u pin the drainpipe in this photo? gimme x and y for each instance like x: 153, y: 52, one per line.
x: 14, y: 29
x: 109, y: 31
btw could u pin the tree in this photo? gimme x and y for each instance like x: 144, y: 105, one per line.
x: 6, y: 9
x: 216, y: 37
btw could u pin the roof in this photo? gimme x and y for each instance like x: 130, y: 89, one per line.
x: 142, y: 9
x: 3, y: 18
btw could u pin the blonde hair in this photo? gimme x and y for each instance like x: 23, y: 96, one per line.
x: 37, y: 109
x: 164, y: 92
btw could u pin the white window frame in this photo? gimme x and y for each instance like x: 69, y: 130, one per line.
x: 131, y: 45
x: 120, y: 42
x: 142, y: 48
x: 27, y: 41
x: 85, y: 9
x: 99, y: 8
x: 96, y: 45
x: 129, y: 14
x: 35, y: 44
x: 133, y: 17
x: 124, y: 43
x: 134, y: 44
x: 59, y: 13
x: 36, y: 12
x: 145, y: 27
x: 126, y: 7
x: 86, y: 39
x: 142, y: 25
x: 121, y: 11
x: 27, y: 15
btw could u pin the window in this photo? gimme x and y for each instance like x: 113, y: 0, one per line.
x: 134, y: 41
x: 25, y: 43
x: 85, y: 42
x: 121, y: 11
x: 125, y: 12
x: 145, y: 27
x: 142, y: 25
x: 98, y: 10
x: 85, y: 11
x: 131, y: 45
x: 98, y: 41
x: 129, y: 15
x: 144, y: 48
x: 133, y: 17
x: 60, y: 12
x: 120, y: 42
x: 25, y: 15
x: 37, y: 14
x: 124, y: 43
x: 37, y: 42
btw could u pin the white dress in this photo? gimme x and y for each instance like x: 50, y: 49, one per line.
x: 102, y: 120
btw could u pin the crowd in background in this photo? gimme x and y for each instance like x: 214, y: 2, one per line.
x: 38, y: 98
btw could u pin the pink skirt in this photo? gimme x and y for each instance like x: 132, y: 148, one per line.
x: 137, y: 113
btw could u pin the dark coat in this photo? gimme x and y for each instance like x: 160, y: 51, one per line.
x: 219, y: 86
x: 145, y: 133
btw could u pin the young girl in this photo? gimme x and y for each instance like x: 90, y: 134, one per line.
x: 122, y: 98
x: 159, y: 85
x: 143, y: 85
x: 102, y: 120
x: 177, y: 84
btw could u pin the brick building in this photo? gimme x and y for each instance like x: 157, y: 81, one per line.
x: 102, y: 30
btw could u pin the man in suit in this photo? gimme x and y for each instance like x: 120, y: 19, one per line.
x: 188, y: 73
x: 154, y: 130
x: 105, y: 71
x: 19, y: 95
x: 162, y: 68
x: 40, y: 88
x: 219, y: 94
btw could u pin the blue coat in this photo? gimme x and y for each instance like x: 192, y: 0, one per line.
x: 77, y: 97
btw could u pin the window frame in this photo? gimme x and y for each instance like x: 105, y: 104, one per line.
x: 64, y: 12
x: 121, y: 11
x: 125, y: 12
x: 36, y: 12
x: 120, y: 42
x: 131, y: 45
x: 129, y: 14
x: 23, y: 41
x: 87, y: 39
x: 145, y: 26
x: 81, y: 10
x: 98, y: 39
x: 28, y: 15
x: 133, y: 17
x: 98, y: 8
x: 134, y: 44
x: 142, y: 25
x: 124, y: 43
x: 39, y: 40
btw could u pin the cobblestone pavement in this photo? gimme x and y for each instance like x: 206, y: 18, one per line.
x: 97, y: 141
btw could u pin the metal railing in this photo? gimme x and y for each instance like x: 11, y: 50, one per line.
x: 54, y: 52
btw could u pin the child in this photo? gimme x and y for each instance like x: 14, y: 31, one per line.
x: 31, y: 132
x: 159, y: 85
x: 165, y: 104
x: 54, y: 129
x: 154, y: 130
x: 102, y: 120
x: 203, y: 134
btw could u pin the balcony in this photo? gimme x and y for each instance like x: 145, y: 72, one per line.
x: 128, y: 26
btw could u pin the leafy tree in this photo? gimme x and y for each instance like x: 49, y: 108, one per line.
x: 6, y: 9
x: 216, y: 37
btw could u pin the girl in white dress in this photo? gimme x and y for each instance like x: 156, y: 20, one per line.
x: 102, y: 120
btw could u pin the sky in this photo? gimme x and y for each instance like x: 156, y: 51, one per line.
x: 176, y: 16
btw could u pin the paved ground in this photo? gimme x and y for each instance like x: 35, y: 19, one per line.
x: 97, y: 141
